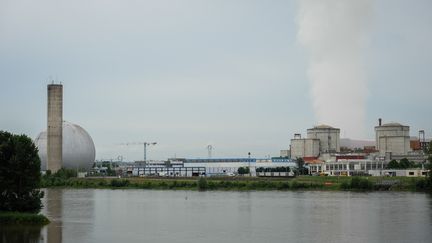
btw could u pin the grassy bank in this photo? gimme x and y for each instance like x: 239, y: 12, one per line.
x: 245, y: 183
x: 11, y: 218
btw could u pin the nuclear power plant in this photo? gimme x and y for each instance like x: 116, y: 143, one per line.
x: 63, y: 144
x: 67, y: 145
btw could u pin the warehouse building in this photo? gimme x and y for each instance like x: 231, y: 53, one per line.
x: 206, y: 167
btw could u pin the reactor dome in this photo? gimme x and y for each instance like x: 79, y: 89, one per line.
x: 78, y: 147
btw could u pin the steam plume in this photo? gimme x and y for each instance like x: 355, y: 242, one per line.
x: 334, y: 33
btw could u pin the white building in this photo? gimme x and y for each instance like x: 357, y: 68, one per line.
x: 392, y: 138
x: 407, y: 172
x: 320, y: 140
x: 361, y: 167
x: 224, y: 166
x: 347, y: 167
x: 328, y: 136
x: 306, y: 147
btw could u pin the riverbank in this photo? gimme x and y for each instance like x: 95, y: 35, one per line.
x: 14, y: 218
x: 245, y: 183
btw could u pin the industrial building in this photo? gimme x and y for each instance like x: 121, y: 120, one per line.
x: 304, y: 147
x: 207, y: 167
x: 393, y: 172
x: 166, y: 171
x: 328, y: 136
x: 392, y: 138
x: 63, y: 144
x: 347, y: 167
x: 320, y: 140
x: 362, y: 167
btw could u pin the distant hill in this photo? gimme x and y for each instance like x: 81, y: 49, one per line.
x: 351, y: 143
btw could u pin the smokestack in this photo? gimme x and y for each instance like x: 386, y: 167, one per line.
x: 379, y: 122
x: 55, y: 127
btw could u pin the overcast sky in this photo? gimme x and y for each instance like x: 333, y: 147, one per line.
x: 191, y: 73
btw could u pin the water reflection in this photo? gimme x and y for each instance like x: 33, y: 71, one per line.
x: 71, y: 213
x: 53, y: 210
x: 243, y: 217
x: 51, y: 233
x: 19, y: 234
x: 26, y: 233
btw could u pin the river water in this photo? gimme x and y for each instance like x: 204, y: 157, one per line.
x: 94, y: 215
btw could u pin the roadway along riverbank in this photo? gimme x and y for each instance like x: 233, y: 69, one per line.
x: 246, y: 183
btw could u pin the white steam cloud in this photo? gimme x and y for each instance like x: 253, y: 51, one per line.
x: 334, y: 33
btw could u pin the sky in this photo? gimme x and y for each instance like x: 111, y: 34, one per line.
x: 240, y: 75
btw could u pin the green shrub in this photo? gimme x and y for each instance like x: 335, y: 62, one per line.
x: 22, y: 218
x: 360, y: 183
x: 163, y: 185
x: 102, y: 183
x: 202, y: 184
x: 211, y: 185
x: 283, y: 185
x: 345, y: 185
x: 119, y: 183
x: 420, y: 184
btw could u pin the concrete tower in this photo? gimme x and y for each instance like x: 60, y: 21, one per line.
x: 329, y: 138
x: 392, y: 138
x: 55, y: 127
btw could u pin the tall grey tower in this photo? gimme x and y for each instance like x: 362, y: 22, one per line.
x: 55, y: 127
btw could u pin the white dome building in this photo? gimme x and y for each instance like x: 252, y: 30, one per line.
x: 78, y: 147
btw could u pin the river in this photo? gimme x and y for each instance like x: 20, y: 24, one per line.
x: 95, y: 215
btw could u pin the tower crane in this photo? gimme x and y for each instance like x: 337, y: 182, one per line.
x: 145, y: 144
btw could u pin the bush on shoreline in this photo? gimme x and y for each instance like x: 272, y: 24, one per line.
x: 202, y: 184
x: 22, y: 218
x: 357, y: 183
x: 244, y: 184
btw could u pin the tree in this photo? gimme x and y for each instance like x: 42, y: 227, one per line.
x: 428, y: 148
x: 19, y: 174
x: 429, y: 166
x: 402, y: 164
x: 301, y: 169
x: 393, y: 165
x: 202, y: 184
x: 243, y: 170
x: 405, y: 164
x: 429, y: 152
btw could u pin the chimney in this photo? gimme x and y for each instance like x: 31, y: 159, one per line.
x: 379, y: 122
x: 55, y: 127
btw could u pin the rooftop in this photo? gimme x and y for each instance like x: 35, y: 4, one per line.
x: 323, y: 126
x: 392, y: 124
